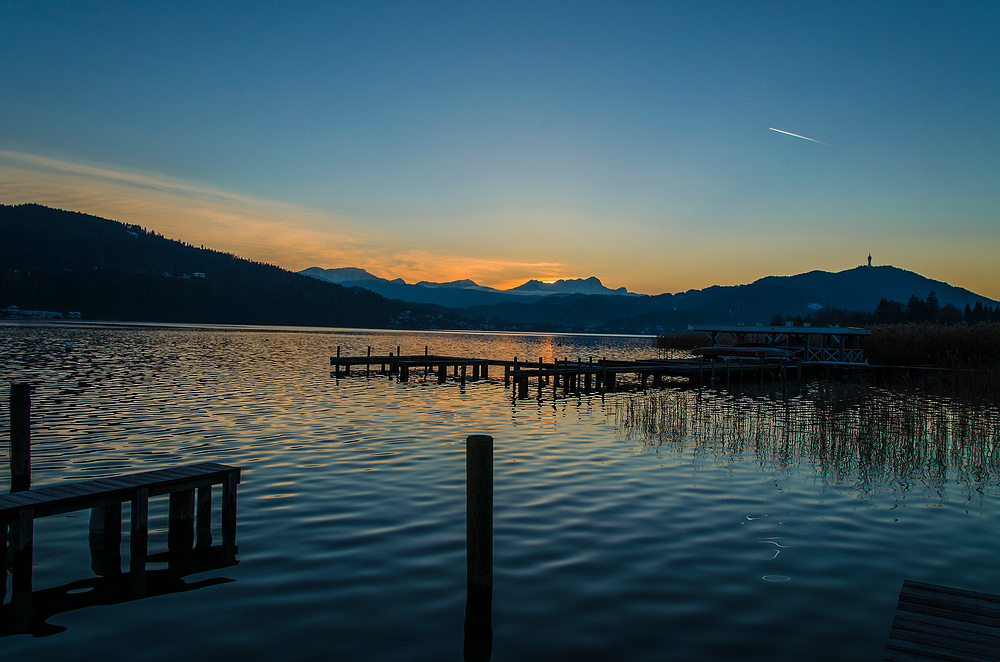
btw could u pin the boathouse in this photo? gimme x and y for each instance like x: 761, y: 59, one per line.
x: 826, y: 345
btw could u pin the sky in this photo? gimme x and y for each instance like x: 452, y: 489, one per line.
x: 508, y: 141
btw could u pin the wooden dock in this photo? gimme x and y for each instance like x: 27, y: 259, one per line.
x: 190, y: 511
x: 570, y: 376
x: 944, y: 624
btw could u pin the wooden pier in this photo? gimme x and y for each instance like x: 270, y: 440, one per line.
x: 190, y: 513
x: 940, y: 623
x: 567, y: 375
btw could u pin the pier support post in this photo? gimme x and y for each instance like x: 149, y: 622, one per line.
x: 203, y: 517
x: 485, y: 371
x: 20, y: 437
x: 522, y: 386
x: 138, y: 539
x: 180, y: 522
x: 368, y: 366
x: 404, y: 373
x: 229, y: 513
x: 479, y: 510
x: 21, y: 545
x: 462, y: 381
x: 106, y: 540
x: 506, y: 375
x: 442, y: 373
x: 475, y: 372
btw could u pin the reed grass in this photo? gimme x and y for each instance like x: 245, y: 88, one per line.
x: 956, y: 346
x: 957, y: 361
x: 852, y: 433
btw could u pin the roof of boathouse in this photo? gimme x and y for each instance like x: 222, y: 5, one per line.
x: 778, y: 330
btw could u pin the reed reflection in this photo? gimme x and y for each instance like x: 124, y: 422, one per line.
x: 845, y: 431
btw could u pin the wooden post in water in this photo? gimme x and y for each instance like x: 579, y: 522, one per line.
x: 22, y: 531
x: 138, y: 539
x: 479, y: 510
x: 478, y: 645
x: 463, y: 374
x: 180, y: 522
x: 442, y: 373
x: 404, y: 373
x: 522, y: 385
x: 106, y: 540
x: 229, y: 513
x: 203, y: 517
x: 368, y: 366
x: 20, y: 437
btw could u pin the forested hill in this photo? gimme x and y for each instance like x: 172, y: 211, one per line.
x: 64, y: 261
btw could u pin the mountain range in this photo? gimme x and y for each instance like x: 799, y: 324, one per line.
x: 460, y: 293
x: 587, y: 304
x: 55, y: 260
x: 60, y: 261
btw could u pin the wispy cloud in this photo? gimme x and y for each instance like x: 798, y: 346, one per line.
x: 253, y: 227
x: 289, y: 235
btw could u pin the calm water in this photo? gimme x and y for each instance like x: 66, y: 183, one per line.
x: 677, y: 526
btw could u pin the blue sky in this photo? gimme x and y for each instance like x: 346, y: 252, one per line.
x: 435, y: 141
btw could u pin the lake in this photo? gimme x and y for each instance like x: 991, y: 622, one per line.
x: 766, y: 524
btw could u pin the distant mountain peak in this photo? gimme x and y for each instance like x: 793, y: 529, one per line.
x: 591, y: 285
x: 340, y: 275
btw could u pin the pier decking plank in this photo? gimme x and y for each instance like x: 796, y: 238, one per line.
x: 69, y: 497
x: 942, y: 623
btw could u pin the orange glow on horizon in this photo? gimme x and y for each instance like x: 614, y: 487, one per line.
x: 294, y: 237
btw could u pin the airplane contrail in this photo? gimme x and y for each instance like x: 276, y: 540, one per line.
x: 789, y: 133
